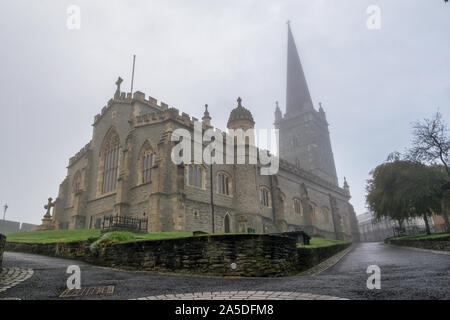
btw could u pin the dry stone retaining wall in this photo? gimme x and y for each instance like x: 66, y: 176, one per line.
x: 249, y: 255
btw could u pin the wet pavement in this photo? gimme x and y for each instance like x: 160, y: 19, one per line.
x: 405, y: 274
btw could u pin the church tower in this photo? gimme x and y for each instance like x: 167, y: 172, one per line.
x: 304, y: 136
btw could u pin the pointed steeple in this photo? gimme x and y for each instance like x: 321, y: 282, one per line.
x: 297, y: 92
x: 278, y: 115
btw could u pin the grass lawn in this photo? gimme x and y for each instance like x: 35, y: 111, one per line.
x: 52, y: 236
x: 424, y: 236
x: 162, y: 235
x: 320, y: 242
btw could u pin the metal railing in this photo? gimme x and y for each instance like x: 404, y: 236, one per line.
x: 119, y: 223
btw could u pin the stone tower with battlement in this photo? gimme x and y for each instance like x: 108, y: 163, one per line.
x: 304, y: 136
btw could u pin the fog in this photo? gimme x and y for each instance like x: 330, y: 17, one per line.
x: 372, y: 83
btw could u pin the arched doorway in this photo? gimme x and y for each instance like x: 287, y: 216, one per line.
x: 227, y: 224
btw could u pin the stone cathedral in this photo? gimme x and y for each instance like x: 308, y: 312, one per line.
x: 126, y: 170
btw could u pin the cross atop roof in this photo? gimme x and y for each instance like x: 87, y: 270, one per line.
x: 118, y: 83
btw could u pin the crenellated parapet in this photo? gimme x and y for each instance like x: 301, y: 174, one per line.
x: 79, y: 154
x: 127, y: 98
x: 164, y: 115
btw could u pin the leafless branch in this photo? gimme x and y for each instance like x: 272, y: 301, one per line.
x: 431, y: 142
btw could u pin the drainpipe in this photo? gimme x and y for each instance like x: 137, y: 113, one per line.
x: 273, y: 200
x: 212, y: 196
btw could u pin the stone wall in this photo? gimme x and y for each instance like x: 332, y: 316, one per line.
x: 9, y: 226
x: 254, y: 255
x: 2, y: 247
x: 13, y: 227
x: 249, y: 255
x: 309, y: 257
x: 70, y: 250
x: 441, y: 244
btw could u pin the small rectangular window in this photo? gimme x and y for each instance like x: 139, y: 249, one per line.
x: 195, y: 176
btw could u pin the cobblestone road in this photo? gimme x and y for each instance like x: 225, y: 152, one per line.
x: 242, y: 295
x: 10, y: 277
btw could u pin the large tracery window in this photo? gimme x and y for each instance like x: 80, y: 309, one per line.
x: 223, y: 183
x: 110, y: 155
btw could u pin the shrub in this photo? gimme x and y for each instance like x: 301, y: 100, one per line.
x: 109, y: 238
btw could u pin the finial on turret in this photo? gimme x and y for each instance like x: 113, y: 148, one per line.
x: 320, y: 107
x: 346, y: 188
x: 240, y: 118
x: 206, y: 118
x: 278, y: 115
x: 239, y: 101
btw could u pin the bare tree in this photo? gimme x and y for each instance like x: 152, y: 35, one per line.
x: 431, y: 145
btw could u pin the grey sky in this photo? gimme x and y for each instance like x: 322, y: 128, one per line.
x: 372, y: 84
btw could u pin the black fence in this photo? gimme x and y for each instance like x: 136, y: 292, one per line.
x: 119, y: 223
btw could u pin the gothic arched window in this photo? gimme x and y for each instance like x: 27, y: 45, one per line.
x: 313, y: 208
x: 298, y: 207
x: 147, y: 167
x: 282, y: 199
x: 264, y: 196
x: 76, y: 185
x: 224, y: 183
x: 110, y: 161
x: 146, y: 158
x: 326, y: 213
x: 227, y: 224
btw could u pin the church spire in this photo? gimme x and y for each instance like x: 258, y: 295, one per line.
x: 297, y: 93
